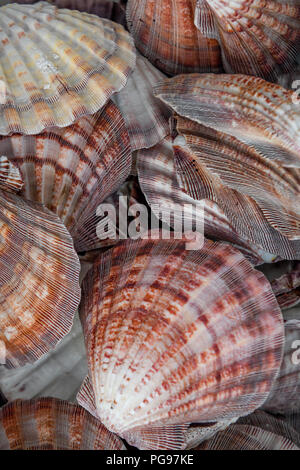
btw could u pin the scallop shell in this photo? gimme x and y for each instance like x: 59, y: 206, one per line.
x: 285, y: 394
x: 256, y: 37
x: 52, y: 424
x: 254, y: 111
x: 146, y: 117
x: 175, y: 336
x: 165, y: 33
x: 246, y: 185
x: 39, y: 280
x: 287, y: 288
x: 10, y: 177
x: 58, y: 65
x: 158, y: 180
x: 72, y: 170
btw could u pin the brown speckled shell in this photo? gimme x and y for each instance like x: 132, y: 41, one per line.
x: 176, y: 336
x: 52, y: 424
x: 72, y: 170
x: 165, y: 33
x: 39, y: 280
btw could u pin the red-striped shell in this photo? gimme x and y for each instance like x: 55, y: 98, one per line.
x: 52, y: 424
x: 72, y: 170
x: 165, y: 33
x: 10, y: 177
x: 39, y: 280
x: 175, y: 336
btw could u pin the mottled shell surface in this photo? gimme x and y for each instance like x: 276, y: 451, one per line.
x: 146, y: 117
x: 165, y: 33
x: 72, y: 170
x: 52, y: 424
x: 285, y: 394
x: 258, y: 113
x: 158, y: 179
x: 257, y: 37
x: 10, y: 176
x: 39, y: 280
x: 57, y: 65
x: 176, y: 336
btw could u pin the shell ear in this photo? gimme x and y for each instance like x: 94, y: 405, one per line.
x: 161, y: 438
x: 10, y: 176
x: 205, y: 20
x: 86, y: 397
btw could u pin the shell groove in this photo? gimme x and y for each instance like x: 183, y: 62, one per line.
x: 58, y: 65
x: 257, y: 37
x: 52, y: 424
x: 72, y: 170
x: 39, y: 280
x: 10, y: 177
x: 176, y: 336
x: 165, y: 33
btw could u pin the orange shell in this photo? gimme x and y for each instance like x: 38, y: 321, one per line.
x: 52, y: 424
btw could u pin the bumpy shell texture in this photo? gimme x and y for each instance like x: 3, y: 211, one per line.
x: 176, y: 336
x: 57, y: 65
x: 165, y: 33
x: 257, y: 37
x: 72, y: 170
x: 52, y: 424
x: 39, y: 280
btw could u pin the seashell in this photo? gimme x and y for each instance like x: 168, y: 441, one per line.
x: 164, y: 32
x: 158, y: 180
x: 260, y: 114
x: 52, y: 424
x: 39, y: 280
x: 246, y: 185
x: 285, y: 393
x: 146, y: 117
x: 291, y: 81
x: 174, y: 337
x: 287, y: 288
x: 247, y: 437
x: 72, y: 170
x: 10, y: 177
x: 58, y: 65
x: 199, y: 433
x: 256, y: 37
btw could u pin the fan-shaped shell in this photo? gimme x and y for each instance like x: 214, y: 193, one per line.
x: 39, y: 280
x: 176, y: 336
x: 245, y: 184
x: 256, y: 37
x: 72, y: 170
x: 10, y: 177
x: 158, y: 180
x: 165, y: 33
x: 52, y: 424
x: 57, y: 65
x: 256, y: 112
x: 285, y: 394
x: 146, y: 117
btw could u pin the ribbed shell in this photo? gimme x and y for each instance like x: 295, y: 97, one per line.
x: 257, y: 37
x: 247, y: 437
x: 39, y: 280
x: 176, y: 336
x: 256, y: 112
x: 158, y: 180
x: 10, y: 177
x: 58, y: 65
x: 52, y: 424
x: 165, y: 33
x: 145, y: 115
x: 72, y: 170
x: 246, y: 185
x: 285, y: 394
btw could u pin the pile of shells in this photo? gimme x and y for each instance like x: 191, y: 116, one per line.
x: 150, y: 182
